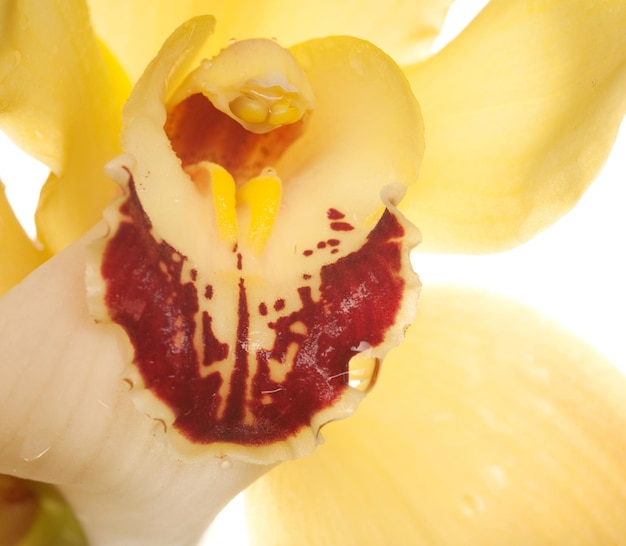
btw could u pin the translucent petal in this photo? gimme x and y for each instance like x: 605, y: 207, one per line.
x: 135, y: 30
x: 18, y: 255
x: 490, y: 425
x: 521, y: 111
x: 61, y: 102
x: 66, y: 418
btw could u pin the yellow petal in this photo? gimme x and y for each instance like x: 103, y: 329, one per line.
x: 521, y: 111
x: 61, y: 102
x: 18, y: 255
x: 135, y: 30
x: 490, y: 425
x: 366, y: 133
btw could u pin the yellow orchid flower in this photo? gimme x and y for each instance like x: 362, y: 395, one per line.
x: 488, y: 425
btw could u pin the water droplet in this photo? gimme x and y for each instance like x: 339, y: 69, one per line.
x: 538, y: 373
x: 357, y: 64
x: 34, y: 447
x: 11, y: 61
x: 23, y: 20
x: 103, y: 404
x: 471, y: 505
x: 499, y: 475
x: 160, y: 423
x: 363, y: 372
x: 16, y: 58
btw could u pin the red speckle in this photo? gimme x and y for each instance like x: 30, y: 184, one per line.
x: 279, y: 305
x: 215, y: 350
x: 307, y: 253
x: 321, y: 244
x: 333, y: 242
x: 235, y: 402
x: 208, y: 291
x: 341, y: 226
x: 334, y: 214
x: 262, y: 309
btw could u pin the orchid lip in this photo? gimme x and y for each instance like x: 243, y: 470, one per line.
x: 244, y: 343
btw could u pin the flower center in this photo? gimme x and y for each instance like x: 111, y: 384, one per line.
x: 260, y: 196
x: 229, y: 122
x: 262, y: 107
x: 255, y: 82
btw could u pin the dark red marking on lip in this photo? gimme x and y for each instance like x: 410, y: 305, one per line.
x: 262, y: 309
x: 334, y: 251
x: 359, y: 296
x: 208, y: 291
x: 306, y: 276
x: 307, y: 253
x: 333, y: 242
x: 321, y: 245
x: 279, y: 304
x: 214, y: 349
x: 341, y: 226
x: 236, y: 400
x: 334, y: 214
x: 193, y: 274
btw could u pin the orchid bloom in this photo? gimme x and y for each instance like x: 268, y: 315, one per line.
x: 258, y: 195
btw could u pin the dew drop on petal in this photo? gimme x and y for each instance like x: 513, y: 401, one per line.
x: 34, y: 447
x: 471, y: 505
